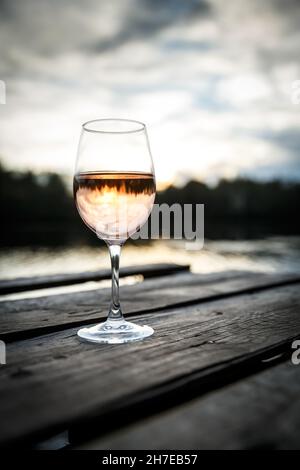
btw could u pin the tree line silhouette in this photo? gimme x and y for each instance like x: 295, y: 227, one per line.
x: 239, y: 198
x: 42, y: 204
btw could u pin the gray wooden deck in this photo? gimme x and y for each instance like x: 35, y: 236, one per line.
x: 216, y: 374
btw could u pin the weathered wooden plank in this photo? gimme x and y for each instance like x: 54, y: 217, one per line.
x: 259, y: 412
x: 32, y: 317
x: 8, y: 286
x: 55, y: 381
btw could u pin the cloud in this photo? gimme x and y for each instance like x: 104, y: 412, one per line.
x: 146, y: 18
x: 212, y: 80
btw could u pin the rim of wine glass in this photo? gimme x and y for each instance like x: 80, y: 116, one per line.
x: 141, y: 126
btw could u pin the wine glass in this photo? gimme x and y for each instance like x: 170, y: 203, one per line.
x: 114, y: 191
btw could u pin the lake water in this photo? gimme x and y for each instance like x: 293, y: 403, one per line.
x: 281, y: 254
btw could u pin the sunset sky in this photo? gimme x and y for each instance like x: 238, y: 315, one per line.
x: 211, y: 79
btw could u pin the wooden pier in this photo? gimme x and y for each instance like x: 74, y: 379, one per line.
x: 217, y: 373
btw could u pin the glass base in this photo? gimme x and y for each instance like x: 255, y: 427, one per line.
x: 115, y: 332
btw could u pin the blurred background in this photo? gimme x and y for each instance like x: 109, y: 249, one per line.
x: 213, y: 81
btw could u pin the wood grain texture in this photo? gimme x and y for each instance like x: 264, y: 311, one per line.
x: 32, y: 317
x: 8, y: 286
x: 54, y: 381
x: 259, y: 412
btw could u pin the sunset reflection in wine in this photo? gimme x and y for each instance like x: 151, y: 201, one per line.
x: 114, y: 205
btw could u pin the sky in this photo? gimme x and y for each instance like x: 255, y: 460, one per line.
x: 211, y: 79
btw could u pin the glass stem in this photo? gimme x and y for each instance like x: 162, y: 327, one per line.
x: 115, y: 312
